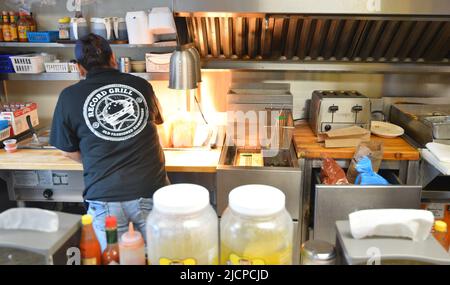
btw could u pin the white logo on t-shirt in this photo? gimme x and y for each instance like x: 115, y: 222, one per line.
x: 115, y: 112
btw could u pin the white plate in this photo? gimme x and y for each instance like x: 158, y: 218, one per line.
x: 386, y: 130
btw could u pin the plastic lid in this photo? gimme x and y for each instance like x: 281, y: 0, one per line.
x: 64, y: 20
x: 111, y: 222
x: 131, y: 238
x: 256, y: 200
x: 181, y: 199
x: 10, y: 141
x: 86, y: 219
x: 440, y: 226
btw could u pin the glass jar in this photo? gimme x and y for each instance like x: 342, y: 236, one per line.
x: 182, y: 227
x: 64, y: 28
x: 256, y: 228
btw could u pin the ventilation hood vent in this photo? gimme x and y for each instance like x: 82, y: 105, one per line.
x: 394, y: 36
x: 316, y: 37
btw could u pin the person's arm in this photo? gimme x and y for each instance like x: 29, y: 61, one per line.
x: 76, y: 155
x: 62, y: 135
x: 158, y: 115
x: 154, y: 107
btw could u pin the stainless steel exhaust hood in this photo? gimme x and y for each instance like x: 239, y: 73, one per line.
x: 411, y: 31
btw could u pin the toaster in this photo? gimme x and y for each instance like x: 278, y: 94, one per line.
x: 330, y: 110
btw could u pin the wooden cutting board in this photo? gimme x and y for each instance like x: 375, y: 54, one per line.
x: 307, y: 146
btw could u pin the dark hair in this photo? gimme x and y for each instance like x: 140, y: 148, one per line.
x: 93, y: 51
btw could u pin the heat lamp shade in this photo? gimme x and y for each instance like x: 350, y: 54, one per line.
x: 183, y: 74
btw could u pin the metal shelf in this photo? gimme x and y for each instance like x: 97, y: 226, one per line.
x: 326, y: 66
x: 73, y: 76
x: 161, y: 46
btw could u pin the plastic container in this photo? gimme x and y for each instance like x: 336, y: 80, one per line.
x: 56, y: 66
x: 43, y: 37
x: 183, y: 228
x: 256, y: 228
x: 64, y: 28
x: 6, y: 65
x: 157, y: 62
x: 137, y: 28
x: 440, y: 234
x: 132, y: 247
x: 73, y: 67
x: 31, y: 63
x: 161, y: 21
x: 4, y: 133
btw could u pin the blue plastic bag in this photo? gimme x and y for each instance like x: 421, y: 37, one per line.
x: 366, y: 174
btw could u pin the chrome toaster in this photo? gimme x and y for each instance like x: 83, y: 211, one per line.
x: 330, y: 110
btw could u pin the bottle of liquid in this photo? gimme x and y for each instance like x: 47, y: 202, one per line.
x: 33, y: 27
x: 13, y: 26
x: 1, y: 29
x: 89, y: 245
x: 6, y: 28
x: 132, y: 247
x: 24, y: 26
x: 111, y: 254
x: 440, y: 234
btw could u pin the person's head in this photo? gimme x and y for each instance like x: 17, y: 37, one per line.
x: 93, y: 52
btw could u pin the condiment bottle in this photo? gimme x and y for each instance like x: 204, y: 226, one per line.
x: 13, y: 26
x: 1, y: 29
x: 132, y: 247
x: 64, y: 28
x: 24, y: 27
x: 33, y: 23
x: 6, y: 28
x: 89, y: 245
x: 111, y: 253
x: 440, y: 234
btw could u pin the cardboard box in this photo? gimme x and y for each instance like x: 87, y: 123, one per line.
x: 18, y: 118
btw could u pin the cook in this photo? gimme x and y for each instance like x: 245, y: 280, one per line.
x: 108, y: 123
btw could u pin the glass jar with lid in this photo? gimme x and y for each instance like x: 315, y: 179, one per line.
x: 182, y: 227
x: 256, y: 228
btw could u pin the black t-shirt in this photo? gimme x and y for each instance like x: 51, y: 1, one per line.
x: 110, y: 119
